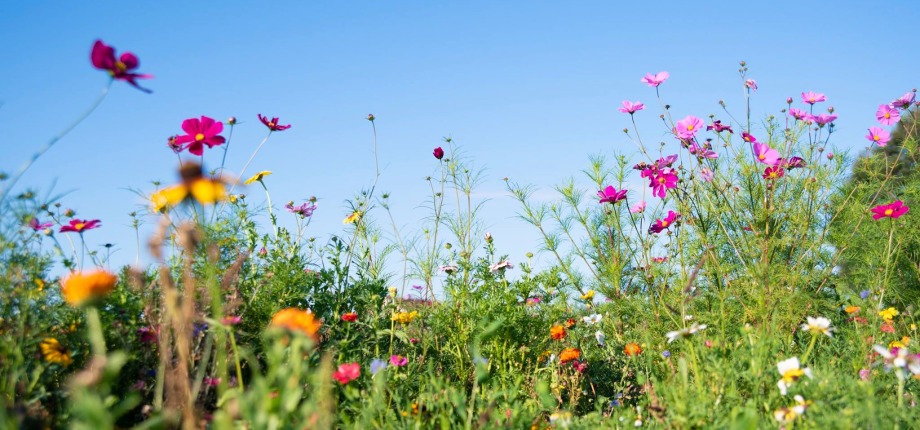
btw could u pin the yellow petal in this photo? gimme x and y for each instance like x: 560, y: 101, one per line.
x: 169, y: 196
x: 257, y: 177
x: 208, y: 191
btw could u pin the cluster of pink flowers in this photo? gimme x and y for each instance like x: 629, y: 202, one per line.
x: 888, y: 114
x: 660, y: 175
x: 811, y: 98
x: 776, y: 165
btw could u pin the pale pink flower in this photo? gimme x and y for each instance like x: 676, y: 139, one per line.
x: 797, y: 113
x: 812, y: 97
x: 764, y: 154
x: 638, y: 208
x: 631, y: 107
x: 879, y: 135
x: 655, y: 80
x: 904, y: 101
x: 751, y: 85
x: 688, y: 127
x: 887, y: 115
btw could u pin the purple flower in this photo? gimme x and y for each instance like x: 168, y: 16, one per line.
x: 438, y: 153
x: 377, y: 365
x: 718, y: 127
x: 611, y: 195
x: 887, y: 115
x: 879, y: 135
x: 795, y: 163
x: 631, y: 107
x: 665, y: 353
x: 751, y: 85
x: 813, y: 97
x: 305, y: 210
x: 687, y: 127
x: 824, y: 119
x: 864, y: 294
x: 797, y: 113
x: 398, y: 360
x: 702, y: 152
x: 764, y: 154
x: 655, y: 80
x: 904, y: 101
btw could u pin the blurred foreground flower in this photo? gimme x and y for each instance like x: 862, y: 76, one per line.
x: 103, y: 58
x: 79, y: 288
x: 297, y: 320
x: 347, y: 372
x: 819, y: 325
x: 686, y: 332
x: 194, y: 185
x: 791, y: 371
x: 353, y: 218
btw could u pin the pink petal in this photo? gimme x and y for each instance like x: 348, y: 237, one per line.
x: 191, y: 126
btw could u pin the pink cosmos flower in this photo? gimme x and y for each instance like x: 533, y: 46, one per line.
x: 665, y: 180
x: 611, y: 195
x: 702, y: 151
x: 37, y: 225
x: 904, y: 101
x: 273, y: 124
x: 687, y: 127
x: 764, y: 154
x: 751, y: 85
x: 80, y: 225
x: 438, y: 153
x: 813, y: 97
x: 347, y: 372
x: 797, y: 113
x: 887, y: 115
x: 200, y: 132
x: 663, y: 224
x: 747, y: 137
x: 305, y: 210
x: 659, y: 259
x: 891, y: 210
x: 706, y: 174
x: 655, y: 80
x: 773, y: 173
x: 666, y: 161
x: 718, y: 127
x: 103, y: 58
x: 638, y: 208
x: 879, y: 135
x: 398, y: 360
x: 631, y: 107
x: 794, y: 163
x: 824, y: 119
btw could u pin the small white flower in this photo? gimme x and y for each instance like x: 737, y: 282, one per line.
x: 592, y: 319
x: 685, y: 332
x: 449, y: 269
x: 501, y: 265
x: 688, y: 317
x: 600, y: 337
x: 790, y: 371
x: 819, y: 325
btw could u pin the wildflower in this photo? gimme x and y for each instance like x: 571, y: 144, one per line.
x: 353, y: 218
x: 580, y: 366
x: 666, y: 354
x: 787, y: 415
x: 887, y: 115
x: 663, y: 181
x: 80, y: 225
x: 557, y: 332
x: 194, y: 185
x: 103, y: 58
x: 231, y: 320
x: 659, y: 260
x: 813, y: 97
x: 823, y: 119
x: 611, y: 195
x: 887, y: 327
x: 54, y: 352
x: 899, y: 358
x: 798, y: 114
x: 685, y: 332
x: 449, y: 269
x: 258, y: 177
x: 764, y: 154
x: 347, y: 372
x: 852, y: 309
x: 377, y: 365
x: 888, y: 314
x: 37, y: 225
x: 296, y: 320
x: 349, y: 317
x: 688, y: 127
x: 656, y: 79
x: 638, y: 208
x: 632, y: 349
x: 790, y: 371
x: 904, y: 101
x: 588, y: 295
x: 819, y: 325
x: 864, y: 374
x: 398, y: 360
x: 569, y: 323
x: 702, y: 151
x: 405, y: 317
x: 773, y: 173
x: 531, y: 301
x: 501, y: 265
x: 592, y: 319
x: 751, y: 85
x: 631, y: 107
x: 200, y: 132
x: 864, y: 294
x: 273, y: 123
x: 663, y: 224
x: 718, y: 127
x: 892, y: 210
x: 211, y: 382
x: 438, y: 153
x: 561, y: 419
x: 569, y: 354
x: 147, y: 334
x: 878, y: 136
x: 600, y: 336
x: 304, y: 211
x: 81, y: 287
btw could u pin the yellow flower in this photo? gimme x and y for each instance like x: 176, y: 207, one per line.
x: 205, y: 191
x: 405, y: 317
x: 588, y: 295
x: 353, y: 218
x: 81, y: 287
x: 40, y: 284
x: 257, y: 177
x: 888, y: 314
x: 297, y: 320
x: 233, y: 198
x: 54, y: 352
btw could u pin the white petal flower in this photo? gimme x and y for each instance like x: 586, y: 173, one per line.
x: 600, y: 337
x: 819, y: 325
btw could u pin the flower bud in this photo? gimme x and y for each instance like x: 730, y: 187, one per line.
x: 370, y: 117
x: 69, y: 212
x: 488, y: 237
x: 231, y: 120
x: 789, y: 100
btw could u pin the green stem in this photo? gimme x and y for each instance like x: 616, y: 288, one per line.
x: 811, y: 346
x: 236, y: 359
x: 94, y: 330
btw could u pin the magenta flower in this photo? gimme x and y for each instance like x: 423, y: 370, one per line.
x: 891, y: 210
x: 398, y: 360
x: 631, y: 107
x: 638, y: 208
x: 663, y: 181
x: 200, y: 132
x: 904, y: 101
x: 663, y: 224
x: 772, y: 173
x: 80, y: 225
x: 655, y: 80
x: 702, y: 151
x: 718, y: 127
x: 813, y: 97
x: 747, y: 137
x: 879, y: 135
x: 305, y: 210
x: 273, y: 124
x: 797, y: 113
x: 824, y: 119
x: 751, y: 85
x: 666, y: 161
x: 794, y: 163
x: 38, y: 225
x: 438, y: 153
x: 611, y: 195
x: 764, y: 154
x: 103, y: 58
x: 887, y: 115
x: 687, y: 127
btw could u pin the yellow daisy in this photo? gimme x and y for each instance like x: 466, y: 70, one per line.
x: 258, y: 177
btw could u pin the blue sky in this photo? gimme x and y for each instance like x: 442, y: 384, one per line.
x: 528, y: 89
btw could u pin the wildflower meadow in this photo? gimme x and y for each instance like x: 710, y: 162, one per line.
x: 727, y: 270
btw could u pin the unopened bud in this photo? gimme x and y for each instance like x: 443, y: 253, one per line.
x: 69, y: 212
x: 488, y: 237
x: 370, y: 117
x: 448, y: 245
x: 231, y: 120
x: 830, y: 109
x: 789, y: 100
x: 529, y: 255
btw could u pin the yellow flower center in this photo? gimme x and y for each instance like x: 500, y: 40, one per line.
x: 120, y: 66
x: 887, y: 115
x: 690, y: 127
x: 271, y: 124
x: 888, y: 212
x: 664, y: 223
x: 762, y: 157
x: 793, y: 375
x: 79, y: 226
x: 661, y: 180
x: 199, y: 137
x: 876, y: 137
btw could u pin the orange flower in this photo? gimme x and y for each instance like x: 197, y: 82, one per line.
x: 557, y: 332
x: 852, y: 309
x: 569, y: 323
x: 569, y: 354
x: 632, y: 349
x: 80, y: 287
x: 297, y: 320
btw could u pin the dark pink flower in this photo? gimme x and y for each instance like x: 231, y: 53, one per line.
x: 813, y: 97
x: 103, y: 58
x: 347, y: 372
x: 891, y: 210
x: 887, y: 115
x: 631, y: 107
x: 664, y: 180
x: 798, y: 114
x: 718, y: 127
x: 611, y: 195
x: 748, y: 137
x: 772, y: 173
x: 904, y: 101
x: 438, y: 153
x: 273, y: 124
x: 656, y: 79
x: 688, y: 127
x: 663, y: 224
x: 764, y: 154
x: 398, y: 360
x: 231, y: 320
x: 879, y: 135
x: 580, y: 366
x: 38, y: 225
x: 200, y: 132
x: 824, y: 119
x: 702, y: 151
x: 147, y: 334
x: 794, y: 163
x: 80, y: 225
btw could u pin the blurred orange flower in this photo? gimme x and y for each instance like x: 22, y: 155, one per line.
x: 569, y: 354
x: 297, y: 320
x: 81, y: 287
x: 557, y: 332
x: 632, y: 349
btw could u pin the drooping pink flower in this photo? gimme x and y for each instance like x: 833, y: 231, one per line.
x: 718, y: 127
x: 688, y: 127
x: 663, y: 224
x: 631, y: 107
x: 892, y: 210
x: 611, y: 195
x: 37, y: 225
x: 80, y: 225
x: 797, y: 113
x: 706, y: 174
x: 664, y: 180
x: 398, y: 360
x: 103, y: 58
x: 638, y: 208
x: 666, y: 161
x: 764, y: 154
x: 748, y: 137
x: 273, y: 124
x: 812, y: 97
x: 794, y: 163
x: 200, y: 132
x: 773, y: 173
x: 656, y: 79
x: 347, y: 372
x: 879, y: 135
x: 904, y: 101
x: 438, y: 153
x: 147, y: 334
x: 751, y: 85
x: 887, y: 115
x: 824, y: 119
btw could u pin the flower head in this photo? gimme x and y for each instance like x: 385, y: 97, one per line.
x: 663, y: 224
x: 878, y: 135
x: 200, y: 132
x: 819, y: 325
x: 632, y: 349
x: 296, y: 320
x: 353, y: 218
x: 103, y: 58
x: 688, y: 127
x: 888, y: 314
x: 751, y: 85
x: 600, y: 336
x: 592, y: 319
x: 349, y: 317
x: 790, y: 371
x: 194, y: 185
x: 557, y: 332
x: 449, y: 269
x: 718, y: 127
x: 611, y: 195
x: 664, y: 180
x: 569, y: 354
x: 405, y: 317
x: 892, y: 210
x: 80, y: 225
x: 656, y: 79
x: 438, y: 153
x: 54, y: 352
x: 685, y: 332
x: 813, y: 97
x: 398, y: 360
x: 798, y: 114
x: 773, y: 173
x: 764, y: 154
x: 347, y: 372
x: 899, y: 358
x: 904, y: 101
x: 377, y: 365
x: 631, y: 107
x: 257, y: 177
x: 887, y: 115
x: 500, y: 266
x: 823, y: 119
x: 707, y: 174
x: 37, y: 225
x: 588, y: 295
x: 305, y: 210
x: 638, y: 207
x: 788, y: 414
x: 273, y: 124
x: 86, y: 286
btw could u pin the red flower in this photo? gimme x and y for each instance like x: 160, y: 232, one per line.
x: 438, y: 153
x: 350, y: 317
x: 80, y: 225
x: 273, y: 123
x: 347, y: 372
x: 200, y: 132
x: 103, y: 58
